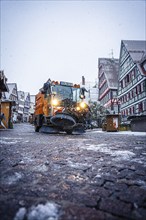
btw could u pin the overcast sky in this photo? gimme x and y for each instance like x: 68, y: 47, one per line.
x: 63, y: 40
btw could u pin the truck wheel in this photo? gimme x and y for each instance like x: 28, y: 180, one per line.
x: 69, y: 132
x: 37, y: 128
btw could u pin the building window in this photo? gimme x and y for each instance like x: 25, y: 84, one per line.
x: 124, y: 98
x: 126, y: 111
x: 140, y: 107
x: 133, y: 110
x: 134, y: 92
x: 139, y: 88
x: 130, y: 111
x: 127, y: 78
x: 133, y: 74
x: 127, y: 97
x: 143, y: 85
x: 144, y: 105
x: 121, y: 84
x: 114, y: 93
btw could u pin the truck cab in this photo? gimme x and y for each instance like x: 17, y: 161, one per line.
x: 60, y: 106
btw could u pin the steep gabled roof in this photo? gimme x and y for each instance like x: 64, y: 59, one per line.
x: 142, y: 65
x: 21, y: 94
x: 27, y: 96
x: 110, y: 68
x: 11, y: 86
x: 3, y: 84
x: 136, y: 49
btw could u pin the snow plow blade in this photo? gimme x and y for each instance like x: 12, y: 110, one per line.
x: 78, y: 129
x: 63, y: 121
x: 48, y: 129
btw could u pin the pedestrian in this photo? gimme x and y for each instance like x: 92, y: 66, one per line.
x: 2, y: 117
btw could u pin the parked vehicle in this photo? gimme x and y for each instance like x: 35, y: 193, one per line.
x: 60, y: 106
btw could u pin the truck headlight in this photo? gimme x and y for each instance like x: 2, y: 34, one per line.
x: 82, y: 104
x: 78, y: 108
x: 55, y: 102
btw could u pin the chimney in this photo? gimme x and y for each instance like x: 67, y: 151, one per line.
x: 83, y: 80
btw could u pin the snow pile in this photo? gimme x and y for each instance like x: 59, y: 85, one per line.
x: 96, y: 147
x: 49, y: 211
x: 7, y: 140
x: 20, y: 214
x: 11, y: 179
x: 40, y: 168
x: 135, y: 133
x: 104, y: 148
x: 10, y: 138
x: 78, y: 165
x: 123, y: 154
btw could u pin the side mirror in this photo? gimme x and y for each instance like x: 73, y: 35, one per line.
x: 82, y: 96
x: 82, y: 93
x: 42, y: 91
x: 54, y: 93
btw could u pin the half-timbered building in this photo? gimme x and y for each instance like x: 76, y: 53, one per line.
x: 108, y: 83
x: 132, y: 78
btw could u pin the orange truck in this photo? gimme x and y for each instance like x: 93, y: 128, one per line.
x: 60, y: 107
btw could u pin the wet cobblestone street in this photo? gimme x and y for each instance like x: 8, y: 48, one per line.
x: 93, y: 176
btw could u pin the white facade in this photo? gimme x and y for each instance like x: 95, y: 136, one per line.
x: 132, y: 80
x: 92, y: 91
x: 32, y: 104
x: 13, y: 96
x: 108, y: 83
x: 26, y: 107
x: 21, y: 99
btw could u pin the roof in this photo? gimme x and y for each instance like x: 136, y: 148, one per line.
x: 110, y: 67
x: 11, y: 86
x: 136, y: 48
x: 10, y: 101
x: 26, y: 94
x: 3, y: 80
x: 21, y: 95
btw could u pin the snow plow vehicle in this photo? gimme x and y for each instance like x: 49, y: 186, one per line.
x: 60, y: 107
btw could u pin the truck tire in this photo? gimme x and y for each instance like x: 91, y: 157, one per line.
x: 38, y: 122
x: 69, y: 132
x: 37, y: 128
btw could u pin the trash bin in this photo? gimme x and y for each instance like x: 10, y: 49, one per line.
x: 112, y: 122
x: 138, y: 123
x: 6, y: 109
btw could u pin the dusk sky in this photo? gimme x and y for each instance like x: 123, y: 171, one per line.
x: 63, y: 40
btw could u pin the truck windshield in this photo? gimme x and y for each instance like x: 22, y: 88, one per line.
x: 66, y: 92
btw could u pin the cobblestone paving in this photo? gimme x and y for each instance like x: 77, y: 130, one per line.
x: 97, y: 175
